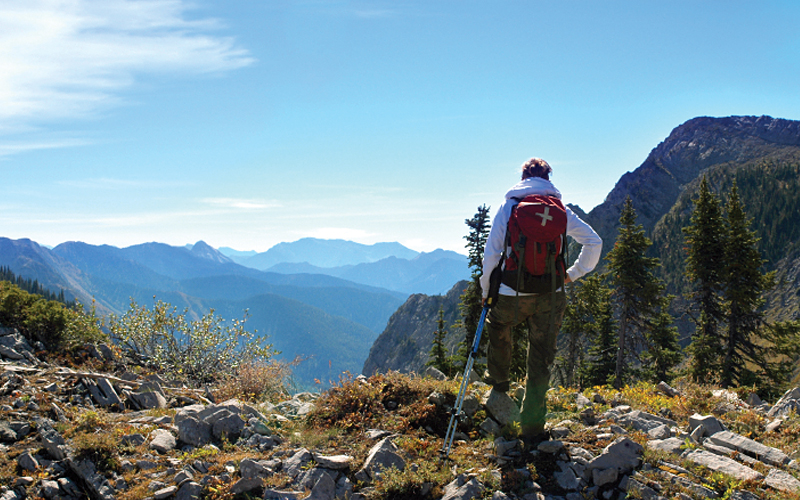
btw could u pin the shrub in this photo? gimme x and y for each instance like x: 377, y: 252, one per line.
x: 48, y: 321
x: 198, y: 352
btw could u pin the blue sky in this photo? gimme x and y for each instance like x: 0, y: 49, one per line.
x: 246, y: 123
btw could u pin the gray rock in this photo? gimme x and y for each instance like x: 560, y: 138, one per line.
x: 333, y: 462
x: 165, y: 492
x: 189, y: 491
x: 637, y: 489
x: 250, y: 468
x: 783, y: 481
x: 434, y: 373
x: 708, y: 423
x: 247, y: 485
x: 133, y: 439
x: 229, y: 426
x: 660, y: 432
x: 97, y: 484
x: 722, y: 464
x: 699, y: 490
x: 567, y: 478
x: 27, y: 462
x: 643, y: 421
x: 666, y: 389
x: 774, y: 425
x: 294, y: 465
x: 162, y: 441
x: 669, y: 445
x: 623, y: 454
x: 147, y: 400
x: 501, y: 407
x: 743, y: 495
x: 490, y: 427
x: 463, y: 489
x: 50, y: 488
x: 52, y: 441
x: 193, y: 431
x: 503, y: 446
x: 582, y: 401
x: 552, y: 447
x: 749, y: 447
x: 471, y: 405
x: 383, y: 455
x: 271, y: 494
x: 602, y: 477
x: 323, y: 489
x: 788, y: 402
x: 183, y: 476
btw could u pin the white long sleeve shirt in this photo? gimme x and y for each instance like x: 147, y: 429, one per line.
x: 591, y: 244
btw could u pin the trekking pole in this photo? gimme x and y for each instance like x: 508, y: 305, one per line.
x: 456, y: 413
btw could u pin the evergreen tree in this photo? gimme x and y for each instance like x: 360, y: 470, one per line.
x: 745, y: 284
x: 705, y: 270
x: 636, y: 288
x: 663, y: 350
x: 471, y: 300
x: 438, y: 355
x: 595, y: 311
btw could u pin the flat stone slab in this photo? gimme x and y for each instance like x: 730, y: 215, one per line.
x: 749, y: 447
x: 670, y: 445
x: 783, y: 481
x: 726, y: 465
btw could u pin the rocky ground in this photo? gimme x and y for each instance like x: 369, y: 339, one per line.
x: 92, y: 431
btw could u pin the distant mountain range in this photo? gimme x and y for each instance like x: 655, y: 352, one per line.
x: 329, y: 320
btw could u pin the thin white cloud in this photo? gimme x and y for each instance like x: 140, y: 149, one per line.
x: 238, y: 203
x: 72, y: 58
x: 20, y: 147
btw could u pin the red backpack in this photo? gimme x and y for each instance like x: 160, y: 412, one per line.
x: 536, y: 242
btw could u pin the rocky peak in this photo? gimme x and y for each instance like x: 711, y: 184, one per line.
x: 206, y: 251
x: 689, y: 149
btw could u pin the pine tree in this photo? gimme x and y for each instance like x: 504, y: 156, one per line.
x: 595, y: 310
x: 471, y: 300
x: 663, y: 350
x: 636, y: 288
x: 705, y: 270
x: 745, y: 284
x: 438, y: 355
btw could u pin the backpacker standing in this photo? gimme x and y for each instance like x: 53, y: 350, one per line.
x: 533, y: 279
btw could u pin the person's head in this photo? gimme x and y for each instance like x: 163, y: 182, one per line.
x: 536, y: 167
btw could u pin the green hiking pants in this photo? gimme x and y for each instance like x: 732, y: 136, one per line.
x: 508, y: 312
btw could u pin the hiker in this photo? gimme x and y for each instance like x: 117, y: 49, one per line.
x: 543, y: 309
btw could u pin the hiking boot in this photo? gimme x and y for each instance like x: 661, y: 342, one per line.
x: 532, y: 441
x: 502, y: 386
x: 497, y: 386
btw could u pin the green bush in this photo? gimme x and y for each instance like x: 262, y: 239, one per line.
x: 197, y: 352
x: 48, y: 321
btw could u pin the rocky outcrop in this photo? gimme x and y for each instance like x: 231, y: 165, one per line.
x: 405, y: 344
x: 692, y: 147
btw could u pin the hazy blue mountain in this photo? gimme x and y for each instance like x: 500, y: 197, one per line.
x: 236, y: 255
x: 206, y: 251
x: 430, y: 273
x: 368, y: 308
x: 327, y: 253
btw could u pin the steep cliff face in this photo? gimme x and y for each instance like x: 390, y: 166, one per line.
x: 690, y: 149
x: 406, y: 342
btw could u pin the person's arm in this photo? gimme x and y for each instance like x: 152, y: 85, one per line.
x: 493, y: 250
x: 591, y: 246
